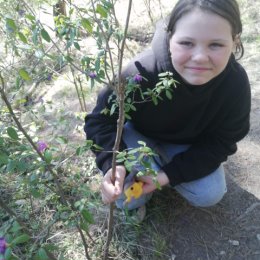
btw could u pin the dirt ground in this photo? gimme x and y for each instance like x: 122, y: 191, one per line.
x: 174, y: 230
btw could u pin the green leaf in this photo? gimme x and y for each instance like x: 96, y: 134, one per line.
x: 168, y: 94
x: 101, y: 10
x: 62, y: 140
x: 51, y: 247
x: 127, y: 116
x: 113, y: 108
x: 12, y: 133
x: 76, y: 45
x: 24, y: 74
x: 8, y: 254
x: 11, y: 166
x: 84, y: 225
x: 10, y: 24
x: 155, y: 101
x: 3, y: 158
x: 68, y: 58
x: 133, y: 107
x: 22, y: 166
x: 120, y: 160
x: 141, y: 143
x: 87, y: 216
x: 165, y: 74
x: 42, y: 254
x: 47, y: 156
x: 30, y: 17
x: 21, y: 239
x: 87, y: 25
x: 35, y: 36
x: 79, y: 150
x: 45, y: 35
x: 97, y: 147
x: 16, y: 227
x: 22, y: 37
x: 36, y: 194
x: 165, y: 82
x: 97, y: 65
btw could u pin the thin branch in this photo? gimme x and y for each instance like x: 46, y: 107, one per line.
x: 29, y: 139
x: 77, y: 88
x: 21, y: 223
x: 120, y: 124
x: 82, y: 93
x: 55, y: 178
x: 108, y: 49
x: 10, y: 212
x: 84, y: 242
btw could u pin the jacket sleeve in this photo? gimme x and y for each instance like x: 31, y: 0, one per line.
x: 214, y: 147
x: 101, y: 129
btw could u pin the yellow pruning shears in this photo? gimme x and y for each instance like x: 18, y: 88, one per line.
x: 135, y: 190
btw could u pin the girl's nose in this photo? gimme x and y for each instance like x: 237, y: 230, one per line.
x: 200, y: 55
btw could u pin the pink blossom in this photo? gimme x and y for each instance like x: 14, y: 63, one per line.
x: 92, y: 75
x: 138, y: 78
x: 42, y: 146
x: 3, y: 245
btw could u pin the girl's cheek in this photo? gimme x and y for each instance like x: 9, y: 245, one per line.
x: 180, y: 56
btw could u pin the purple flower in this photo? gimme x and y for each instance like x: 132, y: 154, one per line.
x: 92, y: 75
x: 138, y: 78
x: 21, y: 12
x: 42, y: 146
x: 3, y: 245
x: 49, y: 77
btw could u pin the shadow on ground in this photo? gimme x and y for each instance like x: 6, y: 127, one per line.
x: 175, y: 230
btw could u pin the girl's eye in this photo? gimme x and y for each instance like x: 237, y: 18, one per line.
x: 186, y: 43
x: 216, y: 45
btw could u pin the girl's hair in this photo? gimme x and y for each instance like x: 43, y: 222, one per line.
x: 228, y: 9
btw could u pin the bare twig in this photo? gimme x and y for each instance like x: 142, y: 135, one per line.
x: 120, y: 125
x: 77, y: 88
x: 82, y: 93
x: 84, y: 242
x: 248, y: 210
x: 10, y: 212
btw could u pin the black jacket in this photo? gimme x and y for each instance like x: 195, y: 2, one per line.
x: 212, y: 117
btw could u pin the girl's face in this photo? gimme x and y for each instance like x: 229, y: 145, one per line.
x: 201, y: 46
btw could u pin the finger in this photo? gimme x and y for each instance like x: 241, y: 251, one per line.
x: 119, y: 182
x: 148, y: 184
x: 105, y: 199
x: 108, y: 192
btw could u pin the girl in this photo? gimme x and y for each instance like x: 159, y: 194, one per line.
x: 197, y: 129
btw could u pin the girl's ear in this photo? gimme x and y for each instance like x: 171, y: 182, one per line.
x: 236, y: 43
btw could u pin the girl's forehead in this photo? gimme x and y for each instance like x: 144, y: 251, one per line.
x: 204, y: 22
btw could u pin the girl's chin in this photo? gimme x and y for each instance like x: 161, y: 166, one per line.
x: 195, y: 81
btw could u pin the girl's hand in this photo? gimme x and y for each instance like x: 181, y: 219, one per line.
x: 149, y: 185
x: 109, y: 191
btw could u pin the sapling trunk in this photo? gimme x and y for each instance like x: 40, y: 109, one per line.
x: 120, y: 89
